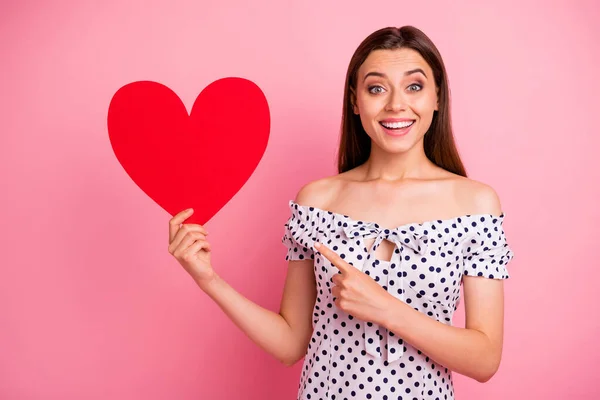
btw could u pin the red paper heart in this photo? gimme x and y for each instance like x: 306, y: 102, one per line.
x: 199, y: 161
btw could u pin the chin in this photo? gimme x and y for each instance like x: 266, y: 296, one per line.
x: 402, y: 146
x: 397, y: 149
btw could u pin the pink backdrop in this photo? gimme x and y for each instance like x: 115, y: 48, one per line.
x: 93, y: 306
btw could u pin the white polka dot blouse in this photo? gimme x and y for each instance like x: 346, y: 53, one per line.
x: 352, y: 359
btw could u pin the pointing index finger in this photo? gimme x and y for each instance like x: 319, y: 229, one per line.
x: 332, y: 256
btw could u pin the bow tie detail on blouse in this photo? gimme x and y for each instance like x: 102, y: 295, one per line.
x: 393, y: 280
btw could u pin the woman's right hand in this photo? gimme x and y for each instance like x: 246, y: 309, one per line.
x: 187, y: 243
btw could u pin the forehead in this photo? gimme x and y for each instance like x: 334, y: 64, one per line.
x: 394, y: 61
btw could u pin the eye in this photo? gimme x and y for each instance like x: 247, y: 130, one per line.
x: 417, y: 85
x: 370, y: 89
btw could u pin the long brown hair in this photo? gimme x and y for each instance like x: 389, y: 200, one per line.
x: 438, y: 143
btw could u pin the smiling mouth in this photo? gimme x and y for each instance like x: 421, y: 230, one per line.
x: 396, y: 125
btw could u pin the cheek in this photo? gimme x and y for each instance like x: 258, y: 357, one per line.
x: 424, y: 105
x: 367, y: 123
x: 370, y: 108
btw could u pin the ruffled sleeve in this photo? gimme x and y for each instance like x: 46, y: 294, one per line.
x: 487, y: 252
x: 300, y: 232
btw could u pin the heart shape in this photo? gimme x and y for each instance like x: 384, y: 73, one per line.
x: 199, y: 160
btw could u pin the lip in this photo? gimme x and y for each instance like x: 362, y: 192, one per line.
x: 397, y: 132
x: 397, y: 119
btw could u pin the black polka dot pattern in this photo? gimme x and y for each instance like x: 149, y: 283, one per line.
x: 350, y: 358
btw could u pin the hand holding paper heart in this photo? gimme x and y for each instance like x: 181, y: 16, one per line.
x: 189, y: 245
x: 185, y: 161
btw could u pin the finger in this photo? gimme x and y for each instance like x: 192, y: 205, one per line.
x: 178, y: 220
x: 335, y: 292
x: 336, y: 279
x: 184, y: 241
x: 333, y: 257
x: 185, y: 237
x: 195, y: 248
x: 188, y: 242
x: 197, y: 227
x: 184, y: 230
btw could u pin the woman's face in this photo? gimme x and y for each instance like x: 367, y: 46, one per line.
x: 395, y: 97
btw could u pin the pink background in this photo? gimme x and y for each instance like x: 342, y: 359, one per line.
x: 93, y: 306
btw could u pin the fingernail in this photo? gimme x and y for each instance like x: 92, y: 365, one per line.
x: 189, y: 209
x: 317, y: 245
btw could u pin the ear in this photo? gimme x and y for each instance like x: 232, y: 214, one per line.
x: 437, y: 100
x: 353, y: 101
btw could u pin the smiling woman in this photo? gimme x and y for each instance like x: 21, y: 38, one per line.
x: 392, y: 78
x: 377, y: 253
x: 394, y: 235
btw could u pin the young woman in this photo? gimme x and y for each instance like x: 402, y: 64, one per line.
x: 377, y: 253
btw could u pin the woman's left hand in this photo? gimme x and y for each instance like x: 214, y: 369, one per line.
x: 356, y: 292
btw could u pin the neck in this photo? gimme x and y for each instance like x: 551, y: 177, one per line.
x: 393, y: 167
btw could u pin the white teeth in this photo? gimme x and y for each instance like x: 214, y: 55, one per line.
x: 396, y: 125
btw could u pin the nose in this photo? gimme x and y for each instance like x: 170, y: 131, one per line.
x: 396, y: 101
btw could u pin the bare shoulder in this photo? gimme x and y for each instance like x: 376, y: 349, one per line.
x: 320, y: 192
x: 478, y: 197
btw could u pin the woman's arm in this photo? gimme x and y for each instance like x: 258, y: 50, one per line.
x: 474, y: 351
x: 284, y: 335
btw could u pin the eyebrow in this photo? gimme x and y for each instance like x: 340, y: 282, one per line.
x: 412, y: 71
